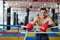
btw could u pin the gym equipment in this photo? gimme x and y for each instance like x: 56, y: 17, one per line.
x: 27, y: 17
x: 8, y: 17
x: 15, y: 18
x: 53, y: 12
x: 29, y: 26
x: 9, y: 25
x: 44, y: 27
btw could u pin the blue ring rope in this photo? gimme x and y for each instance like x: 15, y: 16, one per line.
x: 10, y: 25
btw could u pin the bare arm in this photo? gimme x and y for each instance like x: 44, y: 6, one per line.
x: 34, y: 21
x: 51, y: 21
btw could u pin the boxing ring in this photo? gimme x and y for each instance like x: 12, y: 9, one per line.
x: 26, y: 31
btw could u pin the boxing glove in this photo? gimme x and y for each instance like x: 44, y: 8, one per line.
x: 29, y: 26
x: 44, y: 27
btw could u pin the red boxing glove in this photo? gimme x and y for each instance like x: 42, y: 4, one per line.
x: 44, y: 27
x: 29, y: 26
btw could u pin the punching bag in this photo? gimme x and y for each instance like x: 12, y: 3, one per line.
x: 8, y: 17
x: 27, y: 17
x: 53, y: 12
x: 15, y: 18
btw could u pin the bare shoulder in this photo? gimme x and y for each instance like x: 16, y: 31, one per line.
x: 35, y: 20
x: 49, y: 17
x: 37, y: 17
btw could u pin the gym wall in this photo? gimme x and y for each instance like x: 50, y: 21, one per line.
x: 22, y: 14
x: 1, y: 13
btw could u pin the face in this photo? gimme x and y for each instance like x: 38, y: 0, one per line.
x: 43, y: 13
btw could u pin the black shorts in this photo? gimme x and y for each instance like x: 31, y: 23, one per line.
x: 42, y: 36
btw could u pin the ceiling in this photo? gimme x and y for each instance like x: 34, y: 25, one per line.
x: 34, y: 4
x: 36, y: 0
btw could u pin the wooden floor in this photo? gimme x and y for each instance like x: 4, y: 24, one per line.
x: 10, y: 38
x: 22, y: 38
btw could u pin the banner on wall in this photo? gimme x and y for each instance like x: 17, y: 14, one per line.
x: 1, y: 13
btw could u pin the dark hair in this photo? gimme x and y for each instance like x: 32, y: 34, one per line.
x: 43, y: 9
